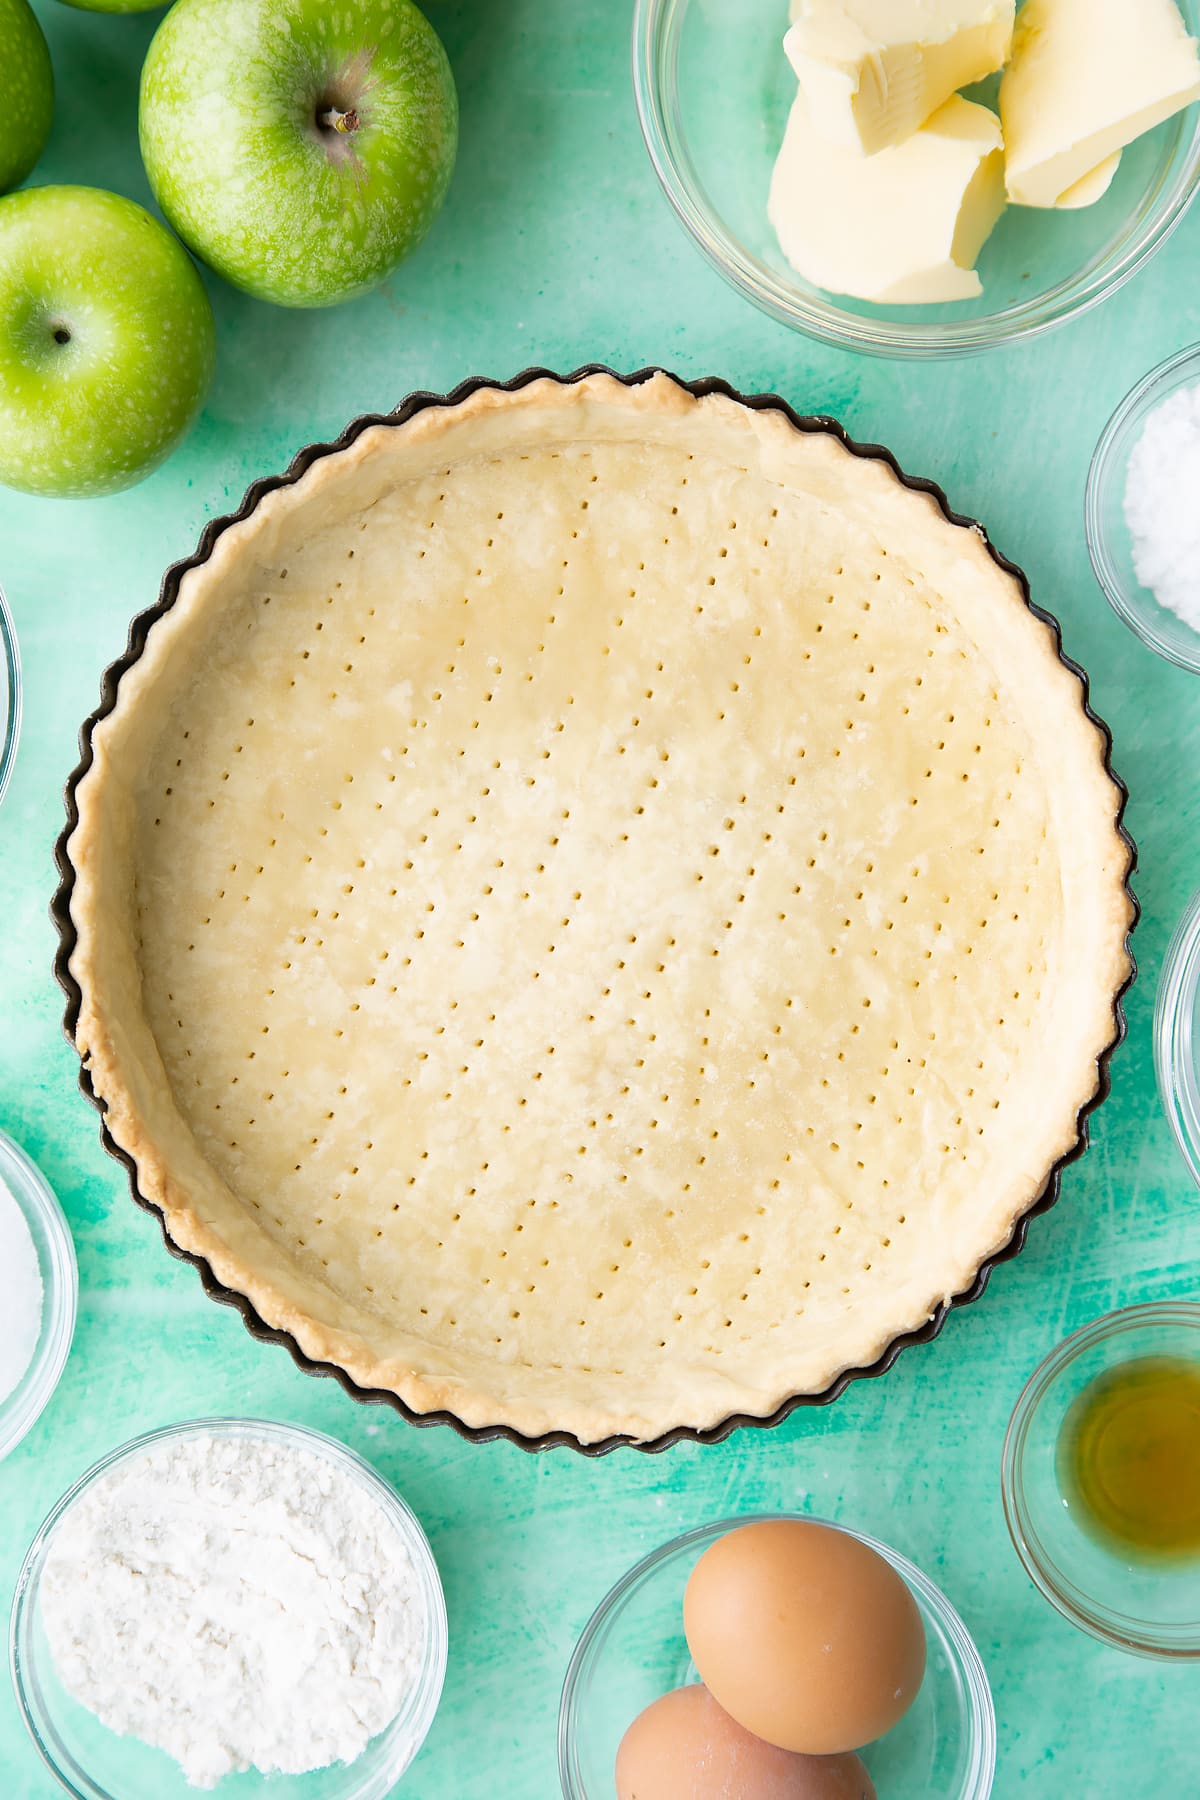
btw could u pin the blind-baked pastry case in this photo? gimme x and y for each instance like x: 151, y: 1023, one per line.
x: 595, y: 908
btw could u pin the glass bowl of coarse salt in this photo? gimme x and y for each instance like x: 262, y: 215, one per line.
x: 229, y: 1604
x: 1142, y: 510
x: 40, y: 1292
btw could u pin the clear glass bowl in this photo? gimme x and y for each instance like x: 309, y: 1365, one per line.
x: 93, y: 1763
x: 60, y: 1292
x: 1149, y: 1607
x: 1177, y: 1035
x: 10, y: 694
x: 713, y: 91
x: 1109, y: 542
x: 633, y: 1649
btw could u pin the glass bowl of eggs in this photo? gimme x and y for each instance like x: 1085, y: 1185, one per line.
x: 715, y: 92
x: 867, y: 1682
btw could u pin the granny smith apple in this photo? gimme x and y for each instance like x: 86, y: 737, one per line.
x: 106, y: 341
x: 300, y: 147
x: 26, y: 92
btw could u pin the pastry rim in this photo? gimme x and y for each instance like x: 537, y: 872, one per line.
x: 61, y: 913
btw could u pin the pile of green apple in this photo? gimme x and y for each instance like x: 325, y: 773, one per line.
x: 299, y: 148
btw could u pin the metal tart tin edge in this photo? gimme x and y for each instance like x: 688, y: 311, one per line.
x: 60, y: 913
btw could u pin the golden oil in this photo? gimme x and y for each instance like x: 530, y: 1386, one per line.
x: 1129, y: 1456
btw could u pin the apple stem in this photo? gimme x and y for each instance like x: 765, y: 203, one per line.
x: 332, y: 118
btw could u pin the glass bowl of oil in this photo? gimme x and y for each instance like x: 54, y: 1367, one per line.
x: 1101, y: 1479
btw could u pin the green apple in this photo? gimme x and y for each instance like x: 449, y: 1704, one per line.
x: 26, y: 92
x: 106, y: 341
x: 300, y: 147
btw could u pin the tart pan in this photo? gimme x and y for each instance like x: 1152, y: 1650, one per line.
x: 61, y: 914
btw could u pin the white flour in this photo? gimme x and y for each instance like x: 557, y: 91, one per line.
x: 21, y: 1314
x: 237, y: 1603
x: 1162, y: 504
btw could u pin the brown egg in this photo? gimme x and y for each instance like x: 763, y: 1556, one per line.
x: 808, y: 1638
x: 685, y: 1747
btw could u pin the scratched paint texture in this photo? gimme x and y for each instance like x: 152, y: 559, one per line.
x: 557, y: 247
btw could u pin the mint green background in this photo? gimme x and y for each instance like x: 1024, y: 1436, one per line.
x: 556, y: 246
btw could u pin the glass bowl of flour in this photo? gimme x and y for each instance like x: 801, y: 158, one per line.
x: 1142, y: 510
x: 230, y: 1606
x: 41, y: 1287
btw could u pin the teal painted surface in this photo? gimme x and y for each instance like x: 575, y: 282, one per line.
x: 556, y: 246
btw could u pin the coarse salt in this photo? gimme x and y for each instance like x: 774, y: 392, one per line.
x: 21, y: 1299
x: 1162, y: 504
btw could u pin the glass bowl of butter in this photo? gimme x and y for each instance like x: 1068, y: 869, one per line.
x: 799, y: 149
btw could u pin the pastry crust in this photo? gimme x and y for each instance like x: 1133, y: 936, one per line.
x: 596, y: 909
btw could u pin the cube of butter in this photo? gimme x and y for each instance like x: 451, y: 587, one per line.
x: 901, y: 228
x: 1093, y: 187
x: 1086, y: 78
x: 873, y: 71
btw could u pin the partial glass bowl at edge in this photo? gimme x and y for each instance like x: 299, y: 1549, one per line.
x: 713, y: 91
x: 93, y: 1763
x: 10, y: 694
x: 1177, y: 1036
x: 55, y: 1251
x: 633, y: 1650
x: 1109, y: 542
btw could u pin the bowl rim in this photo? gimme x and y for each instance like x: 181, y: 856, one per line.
x: 39, y: 1206
x: 1174, y: 1008
x: 427, y: 1689
x: 1118, y: 1630
x: 10, y: 655
x: 60, y: 912
x: 820, y: 317
x: 934, y: 1599
x: 1100, y: 470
